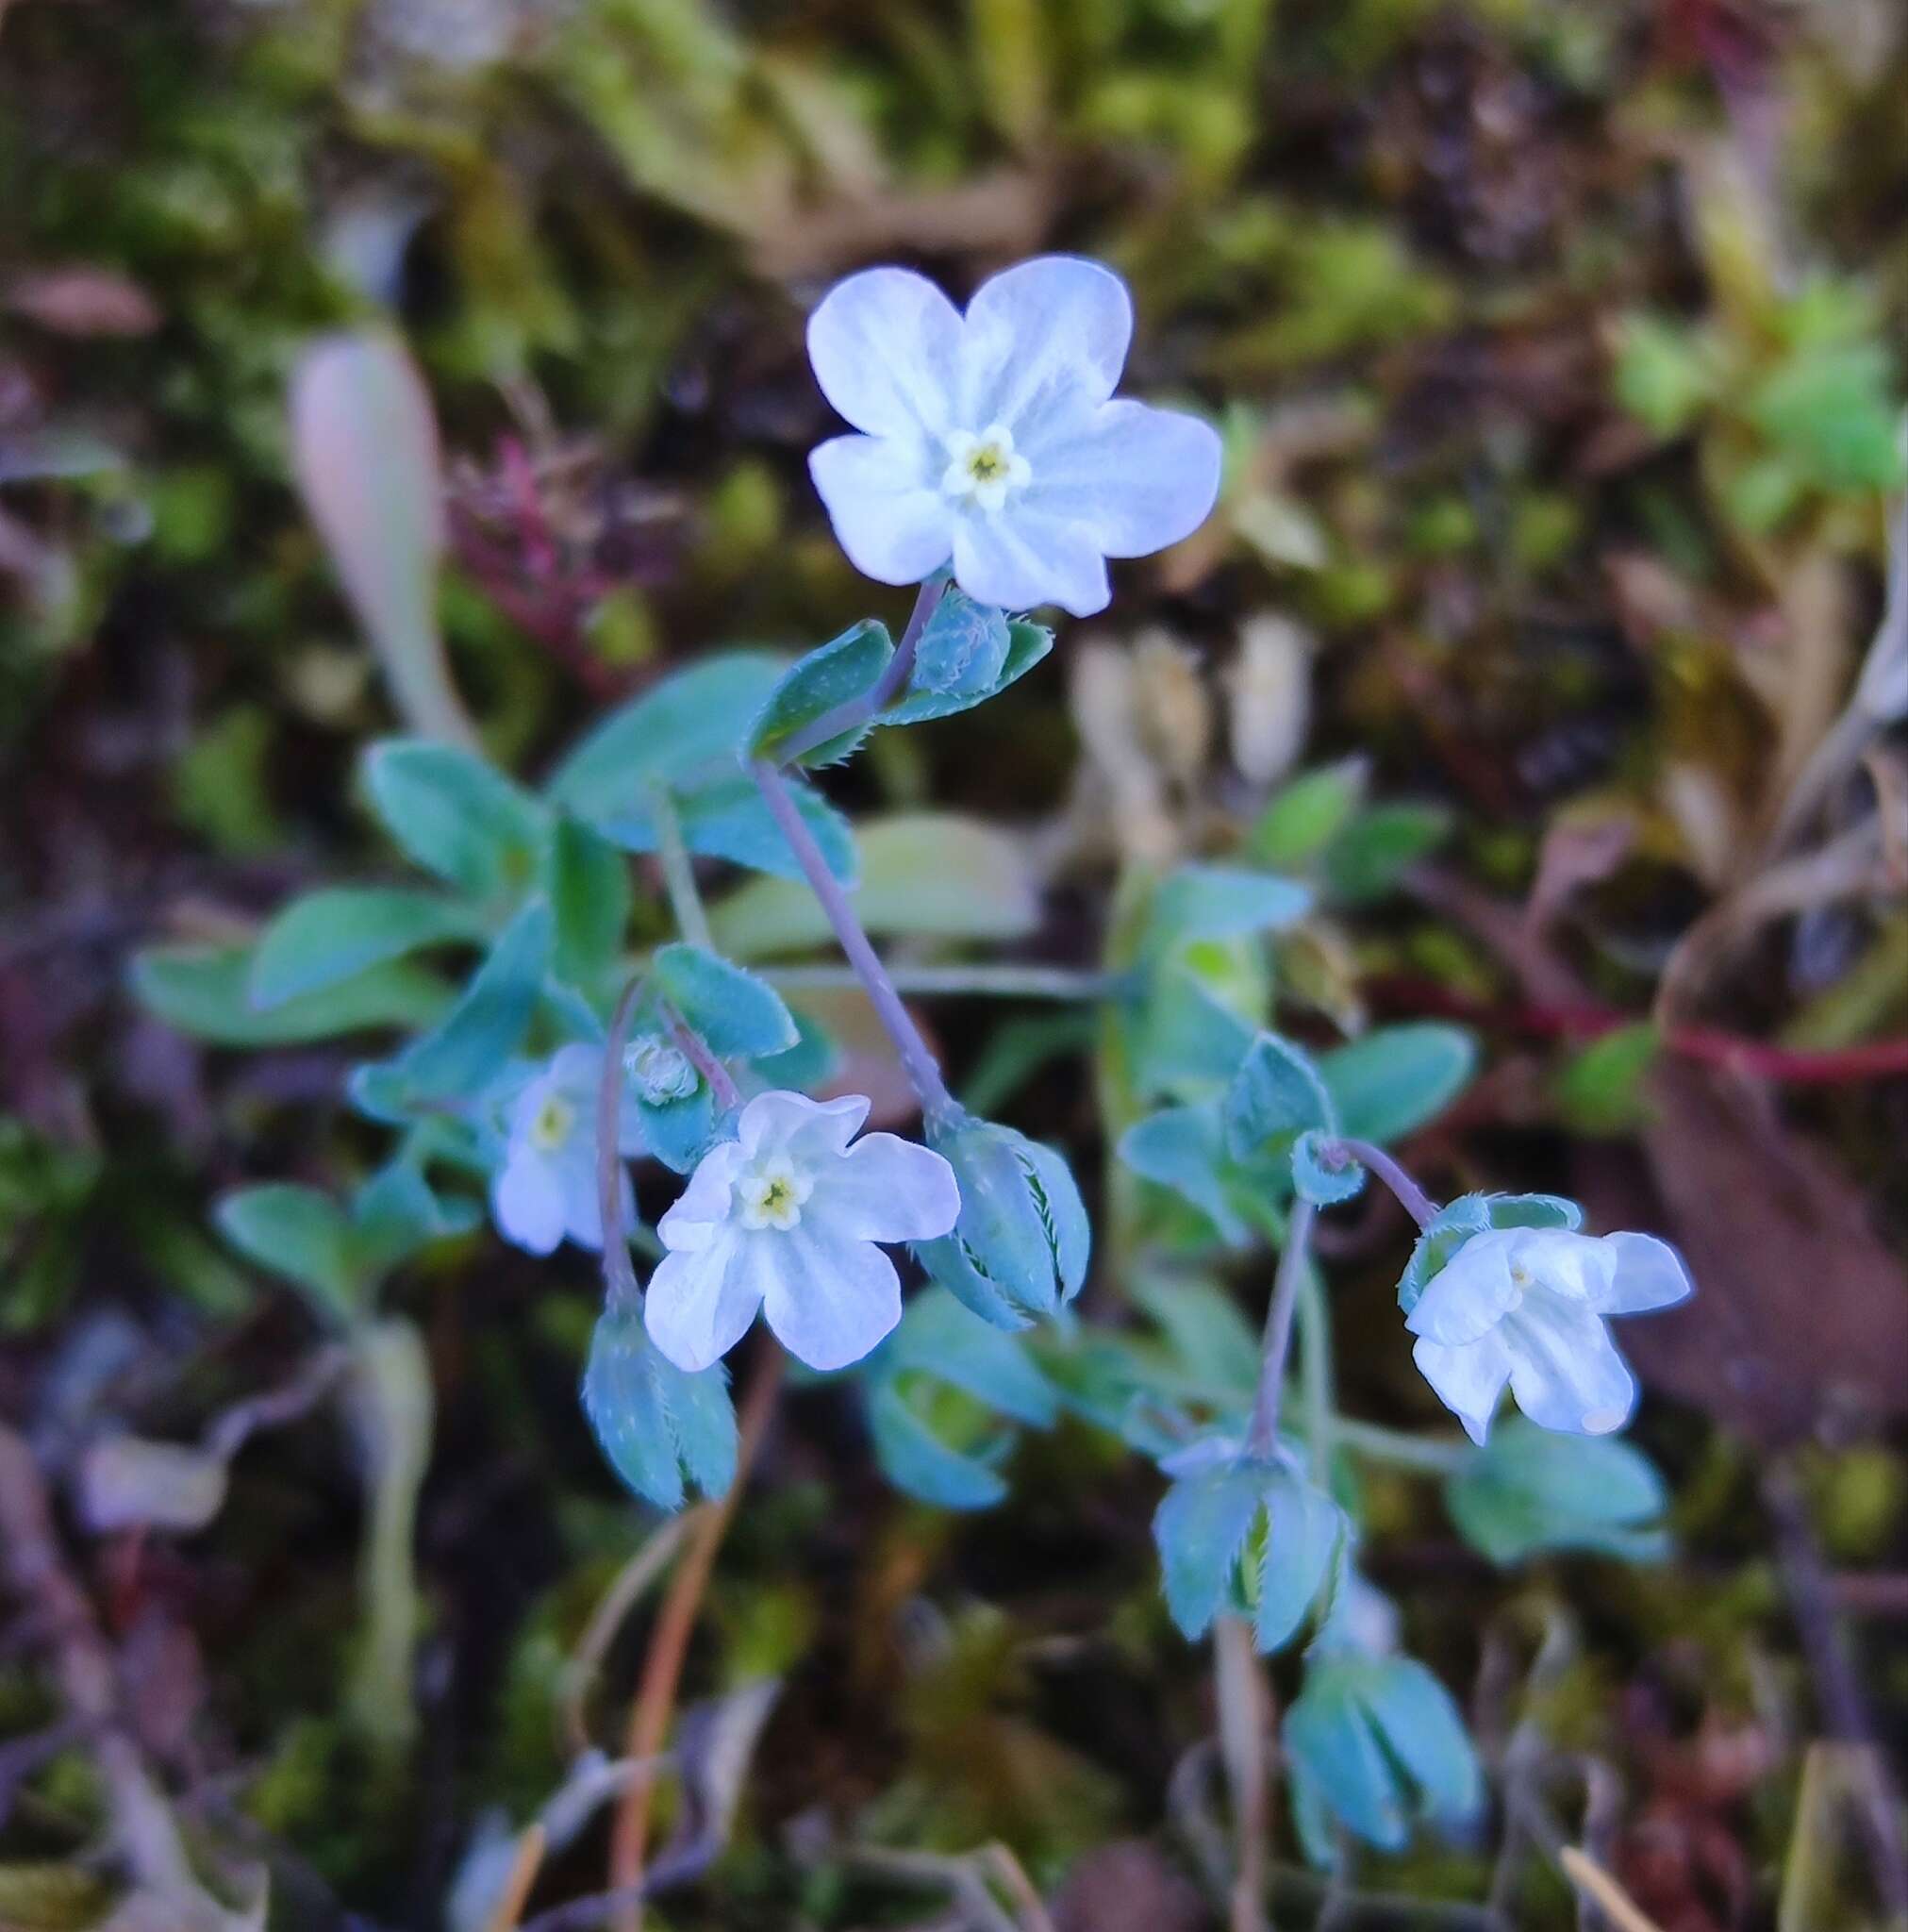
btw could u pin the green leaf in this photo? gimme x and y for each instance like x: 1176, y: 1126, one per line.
x: 1600, y: 1091
x: 1183, y: 1148
x: 1305, y: 1533
x: 845, y: 668
x: 1276, y: 1094
x: 468, y: 1048
x: 396, y: 1212
x: 1304, y: 817
x: 1334, y: 1745
x: 1391, y: 1080
x: 1833, y: 410
x: 738, y: 1015
x: 1531, y: 1490
x: 1420, y: 1726
x: 1217, y: 902
x: 1369, y: 857
x: 456, y: 815
x: 205, y: 991
x: 1186, y: 1043
x: 1665, y: 375
x: 331, y: 936
x: 923, y: 875
x: 654, y: 1422
x: 1028, y: 644
x: 939, y: 1336
x: 681, y: 734
x: 586, y: 882
x: 1200, y: 1529
x: 303, y: 1236
x: 918, y: 1463
x: 727, y: 819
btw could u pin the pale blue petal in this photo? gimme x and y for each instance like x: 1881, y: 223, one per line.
x: 1471, y: 1295
x: 575, y: 1072
x: 1017, y: 559
x: 1576, y: 1266
x: 574, y: 1171
x: 1056, y: 325
x: 829, y: 1302
x: 526, y: 1198
x: 885, y: 1189
x: 1566, y: 1373
x: 697, y: 1216
x: 1650, y: 1273
x: 791, y: 1122
x: 885, y: 346
x: 1468, y: 1379
x: 1137, y: 477
x: 892, y: 521
x: 699, y: 1305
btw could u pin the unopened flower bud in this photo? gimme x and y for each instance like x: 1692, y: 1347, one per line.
x: 659, y: 1071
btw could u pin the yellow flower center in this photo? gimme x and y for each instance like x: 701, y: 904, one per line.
x: 983, y: 468
x: 773, y: 1195
x: 552, y: 1124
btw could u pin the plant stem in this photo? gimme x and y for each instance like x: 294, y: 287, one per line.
x: 851, y: 713
x: 678, y: 871
x: 620, y: 1289
x: 981, y: 981
x: 669, y: 1644
x: 923, y: 1073
x: 1262, y: 1434
x: 695, y: 1049
x: 1434, y: 1454
x: 1244, y: 1719
x: 1411, y: 1197
x: 1315, y: 1376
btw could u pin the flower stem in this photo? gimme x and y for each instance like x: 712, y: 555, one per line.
x: 1262, y: 1434
x: 1059, y: 983
x: 923, y: 1073
x: 1411, y: 1197
x: 1434, y: 1454
x: 678, y: 872
x: 851, y: 713
x: 695, y: 1049
x: 620, y: 1289
x: 1315, y: 1376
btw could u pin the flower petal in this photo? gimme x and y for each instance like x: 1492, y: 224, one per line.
x: 1468, y: 1378
x: 1137, y: 477
x: 1471, y: 1295
x: 1649, y: 1275
x: 1017, y: 559
x: 575, y: 1072
x: 699, y: 1305
x: 1565, y: 1372
x: 792, y: 1122
x: 695, y: 1218
x: 1579, y: 1267
x: 885, y: 346
x: 527, y: 1200
x: 896, y: 527
x: 885, y: 1189
x: 575, y: 1175
x: 1054, y: 326
x: 829, y: 1302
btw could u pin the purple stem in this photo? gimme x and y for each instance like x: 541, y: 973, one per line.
x: 855, y: 712
x: 1262, y: 1433
x: 1411, y: 1197
x: 923, y: 1073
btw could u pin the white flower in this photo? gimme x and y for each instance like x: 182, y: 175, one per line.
x: 992, y: 438
x: 1526, y: 1306
x: 786, y: 1218
x: 546, y: 1188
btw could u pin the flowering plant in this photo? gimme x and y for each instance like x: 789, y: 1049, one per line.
x: 992, y: 466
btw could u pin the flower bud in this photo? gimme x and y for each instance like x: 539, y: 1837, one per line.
x: 1019, y: 1250
x: 659, y: 1071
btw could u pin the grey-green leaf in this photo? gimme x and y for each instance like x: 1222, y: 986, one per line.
x: 331, y: 936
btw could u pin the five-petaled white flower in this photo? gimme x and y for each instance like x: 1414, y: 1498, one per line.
x: 786, y: 1218
x: 992, y: 438
x: 1526, y: 1306
x: 546, y: 1189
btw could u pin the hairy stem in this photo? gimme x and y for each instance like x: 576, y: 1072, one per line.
x: 851, y: 713
x: 1262, y: 1434
x: 620, y: 1289
x: 923, y: 1070
x: 1411, y: 1197
x: 1059, y: 983
x: 1316, y: 1373
x: 678, y: 871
